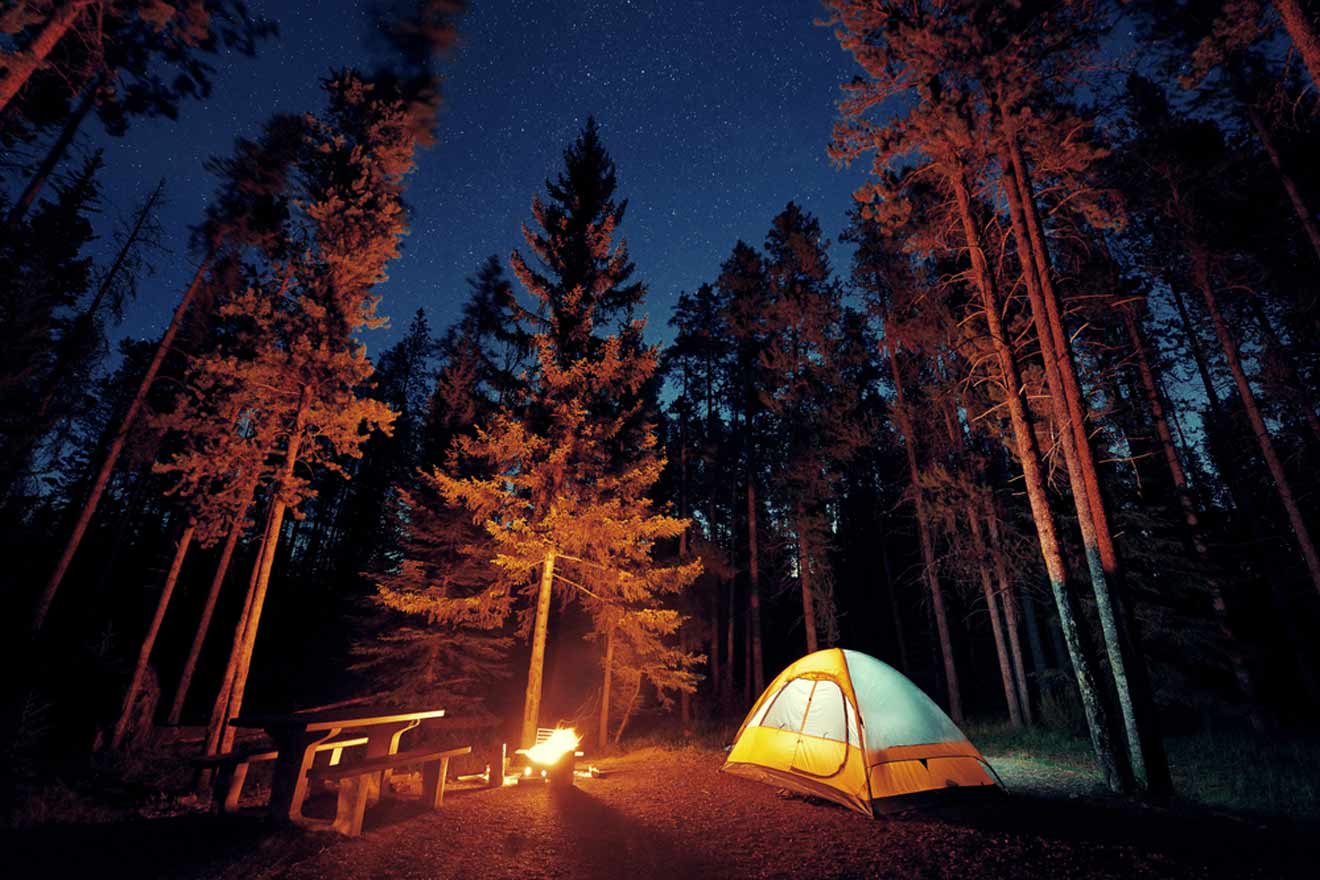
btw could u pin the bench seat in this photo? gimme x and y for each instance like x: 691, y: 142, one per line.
x: 355, y: 782
x: 231, y: 767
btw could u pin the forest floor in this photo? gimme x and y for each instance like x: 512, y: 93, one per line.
x: 669, y: 813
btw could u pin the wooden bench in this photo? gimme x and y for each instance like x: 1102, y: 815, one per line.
x: 354, y: 782
x: 231, y: 767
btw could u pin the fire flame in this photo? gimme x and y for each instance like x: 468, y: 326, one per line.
x: 562, y: 741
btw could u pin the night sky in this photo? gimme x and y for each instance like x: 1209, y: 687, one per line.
x: 716, y: 112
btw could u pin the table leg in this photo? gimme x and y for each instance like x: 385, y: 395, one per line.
x: 382, y: 741
x: 288, y: 786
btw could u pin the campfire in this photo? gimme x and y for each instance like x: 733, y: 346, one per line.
x: 554, y: 756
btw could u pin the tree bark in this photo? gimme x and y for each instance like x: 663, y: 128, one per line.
x: 112, y: 454
x: 1001, y: 648
x: 757, y: 673
x: 926, y: 540
x: 1282, y: 485
x: 1155, y: 401
x: 1098, y: 724
x: 265, y: 562
x: 1302, y: 31
x: 19, y: 67
x: 894, y: 613
x: 153, y: 630
x: 603, y: 729
x: 1008, y: 595
x: 56, y: 152
x: 1145, y: 749
x: 536, y: 666
x: 628, y: 710
x: 1296, y: 389
x: 208, y: 610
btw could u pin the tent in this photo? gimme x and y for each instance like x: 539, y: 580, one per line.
x: 844, y: 726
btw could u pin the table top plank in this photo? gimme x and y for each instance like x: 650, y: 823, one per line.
x: 330, y: 719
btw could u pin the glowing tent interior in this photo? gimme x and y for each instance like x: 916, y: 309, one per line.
x: 844, y: 726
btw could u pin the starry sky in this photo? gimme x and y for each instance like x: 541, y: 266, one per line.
x: 716, y: 112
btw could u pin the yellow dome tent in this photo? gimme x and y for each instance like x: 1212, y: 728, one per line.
x: 842, y: 725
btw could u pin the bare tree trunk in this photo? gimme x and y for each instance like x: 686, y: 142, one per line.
x: 729, y: 646
x: 536, y: 666
x: 208, y: 610
x: 1302, y: 31
x: 153, y: 630
x: 56, y: 151
x: 715, y: 671
x: 1008, y: 594
x: 1300, y: 208
x: 265, y: 562
x: 1066, y: 400
x: 1107, y: 758
x: 927, y: 541
x: 603, y: 729
x: 1155, y: 400
x: 684, y: 697
x: 20, y: 66
x: 1001, y: 648
x: 757, y: 673
x: 804, y: 581
x: 112, y: 454
x: 1282, y: 485
x: 628, y: 710
x: 894, y: 614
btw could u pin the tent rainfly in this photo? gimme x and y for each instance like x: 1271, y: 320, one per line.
x: 844, y: 726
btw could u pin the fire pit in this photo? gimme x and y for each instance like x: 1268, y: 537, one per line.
x: 553, y: 758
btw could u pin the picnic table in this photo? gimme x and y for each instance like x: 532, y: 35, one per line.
x: 297, y: 735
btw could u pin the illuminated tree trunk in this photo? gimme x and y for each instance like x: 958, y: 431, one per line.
x: 926, y: 540
x: 1282, y: 485
x: 1302, y: 31
x: 215, y: 731
x: 1066, y: 400
x: 603, y: 729
x: 628, y: 710
x: 684, y: 697
x: 996, y: 629
x: 1111, y: 766
x: 208, y: 610
x: 112, y: 455
x: 19, y: 67
x: 265, y: 562
x: 56, y: 151
x: 536, y: 666
x: 1008, y: 594
x: 153, y: 630
x: 804, y: 581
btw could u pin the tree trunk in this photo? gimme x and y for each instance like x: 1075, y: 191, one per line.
x: 684, y: 697
x: 927, y: 541
x: 757, y: 673
x: 536, y: 666
x: 112, y: 455
x: 899, y: 636
x: 628, y: 710
x: 153, y: 630
x: 1282, y: 485
x: 1302, y: 31
x: 1145, y: 751
x: 1001, y: 648
x: 265, y: 562
x: 1111, y: 766
x: 1155, y: 400
x: 804, y: 581
x: 208, y: 609
x: 1296, y: 387
x: 20, y: 66
x: 715, y: 671
x: 56, y: 152
x: 729, y: 645
x: 1300, y: 208
x: 603, y: 729
x: 1008, y: 594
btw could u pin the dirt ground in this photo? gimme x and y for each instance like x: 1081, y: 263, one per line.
x: 672, y: 815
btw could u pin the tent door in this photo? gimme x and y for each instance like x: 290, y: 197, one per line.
x: 822, y: 743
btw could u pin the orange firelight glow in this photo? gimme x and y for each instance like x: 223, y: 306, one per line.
x: 562, y: 741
